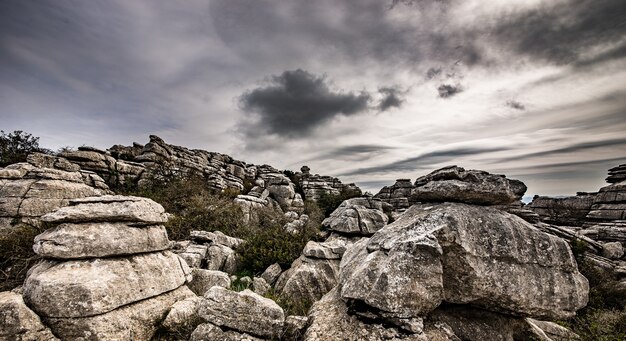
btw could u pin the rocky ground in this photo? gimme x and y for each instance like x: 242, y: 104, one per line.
x: 454, y: 255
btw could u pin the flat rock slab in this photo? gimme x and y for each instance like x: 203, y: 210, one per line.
x: 81, y: 288
x: 90, y: 240
x: 94, y: 210
x: 137, y: 321
x: 245, y: 312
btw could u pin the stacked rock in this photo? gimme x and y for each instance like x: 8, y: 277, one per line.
x: 617, y: 174
x: 107, y: 273
x: 397, y: 194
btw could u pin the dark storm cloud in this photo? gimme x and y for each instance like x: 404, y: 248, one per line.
x: 575, y: 148
x: 423, y: 161
x: 448, y: 90
x: 297, y: 101
x: 391, y: 98
x: 516, y: 105
x: 560, y: 32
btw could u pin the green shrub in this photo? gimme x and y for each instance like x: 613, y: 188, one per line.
x: 329, y: 202
x: 601, y: 325
x: 289, y: 305
x: 15, y: 147
x: 16, y: 254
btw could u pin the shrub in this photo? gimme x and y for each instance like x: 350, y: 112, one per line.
x: 329, y: 202
x: 16, y: 254
x: 15, y: 147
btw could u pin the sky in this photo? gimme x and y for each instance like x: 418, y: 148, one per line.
x: 369, y: 91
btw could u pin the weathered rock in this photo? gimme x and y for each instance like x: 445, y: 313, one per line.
x: 211, y: 332
x: 88, y: 240
x: 570, y: 211
x: 609, y: 207
x: 271, y: 274
x: 362, y: 216
x: 136, y: 321
x: 203, y: 280
x: 456, y: 184
x: 18, y: 322
x: 308, y: 278
x: 329, y: 320
x: 294, y: 328
x: 489, y: 259
x: 552, y: 330
x: 617, y: 174
x: 216, y: 237
x: 183, y: 316
x: 324, y: 250
x: 221, y: 257
x: 260, y: 286
x: 613, y: 250
x: 109, y: 209
x: 397, y: 195
x: 81, y: 288
x: 244, y: 312
x: 315, y: 185
x: 250, y: 205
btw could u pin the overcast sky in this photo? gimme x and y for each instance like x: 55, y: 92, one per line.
x: 368, y: 90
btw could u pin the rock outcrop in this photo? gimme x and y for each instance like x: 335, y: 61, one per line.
x: 617, y: 174
x: 45, y: 183
x: 358, y: 216
x: 397, y: 195
x: 210, y: 251
x: 99, y: 285
x: 18, y: 322
x: 568, y: 211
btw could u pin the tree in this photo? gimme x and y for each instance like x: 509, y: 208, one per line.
x: 15, y: 147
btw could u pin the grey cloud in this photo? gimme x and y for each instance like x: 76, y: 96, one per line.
x: 448, y: 90
x: 423, y: 161
x: 295, y: 102
x: 515, y: 105
x: 608, y: 161
x: 575, y: 148
x: 391, y: 98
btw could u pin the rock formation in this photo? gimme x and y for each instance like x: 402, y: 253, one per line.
x: 106, y: 272
x: 568, y: 211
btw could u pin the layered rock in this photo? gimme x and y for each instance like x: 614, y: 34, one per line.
x: 568, y: 211
x: 18, y: 322
x: 361, y: 216
x: 41, y: 185
x: 466, y: 255
x: 95, y: 283
x: 210, y: 251
x: 397, y: 195
x: 617, y: 174
x: 315, y: 185
x: 609, y: 207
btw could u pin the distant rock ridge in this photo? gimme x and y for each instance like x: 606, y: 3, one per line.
x: 567, y: 211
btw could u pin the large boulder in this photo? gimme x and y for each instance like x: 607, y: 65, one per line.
x: 469, y: 186
x: 80, y: 288
x: 203, y: 280
x: 18, y: 322
x: 463, y: 254
x: 308, y: 279
x: 361, y: 216
x: 245, y: 312
x: 89, y: 240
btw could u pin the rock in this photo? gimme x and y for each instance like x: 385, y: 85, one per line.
x: 397, y: 195
x: 244, y: 312
x: 220, y: 257
x: 260, y: 286
x: 203, y: 280
x: 211, y: 332
x: 455, y: 184
x: 18, y: 322
x: 216, y: 237
x: 89, y: 240
x: 183, y: 316
x: 569, y: 211
x: 329, y: 320
x: 282, y: 190
x: 553, y: 331
x: 109, y: 209
x: 250, y: 205
x: 489, y: 258
x: 271, y: 274
x: 295, y: 326
x: 609, y: 207
x: 81, y: 288
x: 324, y: 250
x: 308, y: 278
x: 362, y: 216
x: 617, y: 174
x: 613, y: 250
x: 315, y: 185
x: 136, y: 321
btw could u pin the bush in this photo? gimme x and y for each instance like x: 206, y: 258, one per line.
x: 15, y: 147
x: 329, y: 202
x: 16, y: 254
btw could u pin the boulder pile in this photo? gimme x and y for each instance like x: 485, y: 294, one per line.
x: 107, y: 273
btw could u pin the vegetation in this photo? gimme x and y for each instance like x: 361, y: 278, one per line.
x: 16, y: 254
x: 329, y: 202
x: 604, y: 317
x: 15, y: 147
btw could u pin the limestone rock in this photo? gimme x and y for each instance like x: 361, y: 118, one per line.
x: 216, y: 237
x: 211, y: 332
x: 203, y: 280
x: 136, y: 321
x: 489, y: 258
x: 109, y: 209
x: 617, y: 174
x: 80, y: 288
x: 553, y: 331
x: 324, y: 250
x: 308, y: 278
x: 569, y: 211
x: 295, y: 326
x: 260, y: 286
x: 271, y: 274
x: 183, y: 316
x: 18, y: 322
x: 89, y: 240
x: 469, y: 186
x: 613, y: 250
x: 362, y: 216
x: 397, y: 195
x: 221, y: 257
x: 244, y: 312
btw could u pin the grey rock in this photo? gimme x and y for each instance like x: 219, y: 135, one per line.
x: 109, y: 210
x: 271, y: 274
x: 294, y: 328
x: 221, y: 257
x: 613, y: 250
x: 216, y: 237
x: 245, y: 312
x: 211, y: 332
x: 455, y: 184
x: 308, y: 278
x: 81, y: 288
x: 203, y: 280
x: 260, y: 286
x: 74, y: 241
x: 183, y: 316
x: 136, y: 321
x: 363, y: 216
x: 18, y: 322
x: 324, y: 250
x: 553, y: 331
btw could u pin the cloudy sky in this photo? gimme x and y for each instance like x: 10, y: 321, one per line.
x: 368, y: 90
